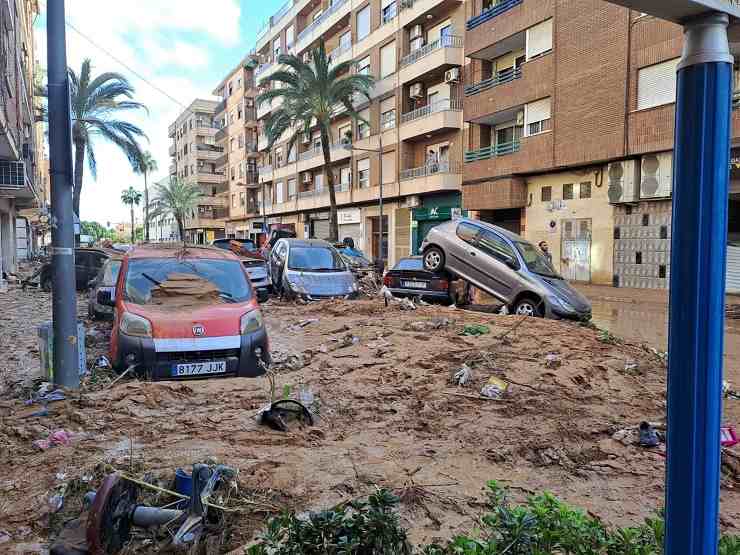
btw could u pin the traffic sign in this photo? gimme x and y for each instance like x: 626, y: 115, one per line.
x: 680, y: 11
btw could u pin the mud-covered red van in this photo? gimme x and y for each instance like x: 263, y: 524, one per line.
x: 186, y: 312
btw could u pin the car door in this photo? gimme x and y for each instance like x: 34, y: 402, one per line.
x: 461, y: 253
x: 82, y: 263
x: 276, y: 262
x: 496, y: 258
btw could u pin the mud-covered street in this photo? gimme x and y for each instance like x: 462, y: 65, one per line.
x: 388, y: 414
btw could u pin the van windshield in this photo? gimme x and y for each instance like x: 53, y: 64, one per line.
x: 315, y: 259
x: 170, y: 280
x: 535, y: 260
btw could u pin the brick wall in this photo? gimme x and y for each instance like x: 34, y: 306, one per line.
x: 507, y: 192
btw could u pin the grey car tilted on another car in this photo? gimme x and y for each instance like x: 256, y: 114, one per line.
x: 310, y: 269
x: 504, y: 265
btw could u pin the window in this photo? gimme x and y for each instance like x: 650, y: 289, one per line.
x: 585, y: 190
x: 656, y: 84
x: 388, y: 119
x: 467, y: 232
x: 345, y: 41
x: 316, y: 140
x: 492, y: 244
x: 345, y: 132
x: 233, y: 200
x: 318, y: 181
x: 388, y: 60
x: 242, y: 199
x: 388, y: 10
x: 241, y: 140
x: 292, y: 153
x: 279, y: 192
x: 345, y: 176
x: 363, y: 172
x: 279, y: 157
x: 276, y: 48
x: 537, y: 116
x: 363, y: 23
x: 363, y: 129
x: 239, y: 113
x: 363, y: 66
x: 233, y: 173
x: 289, y: 37
x: 546, y: 194
x: 539, y: 39
x: 291, y: 188
x: 568, y: 191
x: 233, y: 144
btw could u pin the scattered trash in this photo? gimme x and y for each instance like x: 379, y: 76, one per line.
x: 302, y: 324
x: 56, y: 502
x: 58, y: 437
x: 630, y: 366
x: 306, y: 396
x: 277, y: 414
x: 4, y: 536
x: 407, y: 304
x: 552, y: 361
x: 504, y: 310
x: 427, y: 325
x: 728, y: 392
x: 727, y: 436
x: 495, y: 388
x: 463, y: 376
x: 103, y: 362
x: 647, y: 435
x: 44, y: 396
x: 348, y: 340
x: 475, y: 330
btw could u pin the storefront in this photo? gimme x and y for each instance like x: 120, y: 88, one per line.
x: 434, y: 211
x: 350, y: 225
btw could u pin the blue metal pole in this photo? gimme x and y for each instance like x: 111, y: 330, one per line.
x: 697, y: 287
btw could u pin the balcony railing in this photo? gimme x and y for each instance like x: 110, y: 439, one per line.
x: 263, y: 170
x: 501, y: 77
x: 338, y: 51
x: 318, y: 151
x: 439, y: 106
x: 492, y: 151
x: 319, y: 20
x: 209, y: 148
x: 496, y: 9
x: 220, y: 135
x: 275, y: 19
x: 262, y: 68
x: 433, y: 168
x: 446, y: 41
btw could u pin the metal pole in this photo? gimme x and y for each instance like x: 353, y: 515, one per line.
x: 380, y: 202
x: 64, y: 295
x: 697, y: 287
x: 264, y: 212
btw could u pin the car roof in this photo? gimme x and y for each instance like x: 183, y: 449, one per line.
x: 511, y: 236
x: 309, y: 243
x: 177, y: 250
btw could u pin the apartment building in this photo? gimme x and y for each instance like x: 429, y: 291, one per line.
x: 19, y: 151
x: 570, y: 112
x: 236, y: 118
x: 412, y: 147
x: 195, y: 156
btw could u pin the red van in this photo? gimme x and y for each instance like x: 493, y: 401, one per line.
x: 184, y: 313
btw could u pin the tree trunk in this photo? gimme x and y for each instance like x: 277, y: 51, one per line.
x: 329, y: 178
x: 146, y: 208
x: 133, y: 227
x: 79, y: 167
x: 180, y: 228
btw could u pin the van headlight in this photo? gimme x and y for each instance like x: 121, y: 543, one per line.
x: 134, y: 325
x: 251, y: 322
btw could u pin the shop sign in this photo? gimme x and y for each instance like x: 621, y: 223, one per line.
x: 349, y: 216
x: 434, y: 213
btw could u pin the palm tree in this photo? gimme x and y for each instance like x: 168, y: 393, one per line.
x: 312, y: 94
x: 177, y: 199
x: 95, y: 102
x: 131, y: 197
x: 144, y: 166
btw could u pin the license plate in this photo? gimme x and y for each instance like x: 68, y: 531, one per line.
x: 199, y: 368
x: 414, y: 284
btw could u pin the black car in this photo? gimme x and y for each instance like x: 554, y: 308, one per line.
x: 87, y: 266
x: 408, y: 278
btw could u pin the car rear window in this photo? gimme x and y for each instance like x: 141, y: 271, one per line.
x: 161, y: 280
x: 409, y: 264
x: 315, y: 259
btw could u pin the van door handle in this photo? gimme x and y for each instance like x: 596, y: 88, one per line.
x: 472, y: 253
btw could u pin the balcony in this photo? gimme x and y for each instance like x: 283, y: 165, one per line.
x: 505, y: 76
x: 412, y: 11
x: 441, y: 54
x: 264, y: 109
x: 321, y: 24
x: 205, y: 176
x: 173, y: 169
x: 171, y: 130
x: 498, y: 7
x: 434, y: 118
x: 220, y: 107
x: 265, y: 173
x: 340, y: 54
x: 205, y: 130
x: 222, y: 160
x: 221, y: 134
x: 488, y: 152
x: 315, y: 157
x: 173, y: 150
x: 504, y: 19
x: 528, y: 154
x: 208, y: 152
x: 442, y: 176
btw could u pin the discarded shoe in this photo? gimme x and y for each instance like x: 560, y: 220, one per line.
x: 648, y: 437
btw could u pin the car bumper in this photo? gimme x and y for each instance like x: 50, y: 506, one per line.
x: 558, y: 313
x: 241, y: 361
x: 425, y: 293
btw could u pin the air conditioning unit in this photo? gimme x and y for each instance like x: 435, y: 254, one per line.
x: 416, y: 90
x: 656, y: 175
x: 416, y: 31
x: 520, y: 118
x: 452, y: 75
x: 307, y: 178
x: 624, y: 177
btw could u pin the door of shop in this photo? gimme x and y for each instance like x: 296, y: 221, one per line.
x: 319, y: 229
x: 575, y: 251
x: 375, y: 226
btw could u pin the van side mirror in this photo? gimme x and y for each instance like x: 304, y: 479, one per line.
x: 105, y: 298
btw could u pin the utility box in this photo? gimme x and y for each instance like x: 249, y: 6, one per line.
x: 46, y: 350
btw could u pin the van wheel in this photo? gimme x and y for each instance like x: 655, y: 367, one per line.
x: 434, y: 259
x: 528, y: 307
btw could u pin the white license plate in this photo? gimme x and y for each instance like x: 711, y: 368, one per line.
x: 414, y: 284
x: 199, y: 368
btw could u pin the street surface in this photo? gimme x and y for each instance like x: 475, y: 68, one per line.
x: 388, y: 415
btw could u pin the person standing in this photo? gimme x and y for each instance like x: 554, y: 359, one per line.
x: 544, y: 247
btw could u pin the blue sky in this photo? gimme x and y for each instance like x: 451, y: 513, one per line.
x: 184, y: 47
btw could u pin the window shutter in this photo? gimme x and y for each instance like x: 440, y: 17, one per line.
x: 363, y: 164
x: 388, y: 60
x: 279, y: 192
x: 363, y: 23
x: 289, y: 36
x: 656, y: 84
x: 537, y: 111
x: 389, y: 167
x: 539, y: 39
x: 387, y: 104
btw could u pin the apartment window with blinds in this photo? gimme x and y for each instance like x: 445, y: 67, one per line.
x: 291, y: 188
x: 568, y: 191
x: 345, y: 133
x: 318, y: 181
x: 388, y: 60
x: 537, y: 116
x: 656, y: 84
x: 279, y: 192
x: 241, y: 169
x: 279, y: 157
x: 242, y: 199
x: 363, y: 66
x: 291, y: 154
x: 363, y: 23
x: 546, y: 194
x: 345, y: 176
x: 388, y: 113
x: 363, y: 172
x: 585, y: 190
x: 363, y: 129
x: 289, y: 37
x: 389, y: 10
x: 233, y: 200
x: 276, y: 48
x: 539, y: 39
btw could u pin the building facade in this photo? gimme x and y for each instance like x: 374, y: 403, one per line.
x: 19, y: 149
x: 195, y: 155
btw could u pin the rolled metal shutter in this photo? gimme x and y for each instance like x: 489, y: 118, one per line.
x: 351, y: 230
x: 319, y: 229
x: 733, y: 269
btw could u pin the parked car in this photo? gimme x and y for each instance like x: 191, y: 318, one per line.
x: 104, y: 281
x: 275, y: 235
x: 87, y: 265
x: 259, y: 276
x: 504, y: 265
x: 311, y: 269
x: 408, y: 278
x: 186, y: 315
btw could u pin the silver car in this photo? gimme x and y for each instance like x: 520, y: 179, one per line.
x: 504, y: 265
x: 310, y: 269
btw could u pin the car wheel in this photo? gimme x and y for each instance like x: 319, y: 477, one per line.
x: 528, y: 307
x: 434, y: 259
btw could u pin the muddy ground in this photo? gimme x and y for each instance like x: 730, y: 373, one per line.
x: 389, y: 416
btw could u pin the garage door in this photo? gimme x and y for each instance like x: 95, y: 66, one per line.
x: 21, y: 236
x: 733, y: 269
x: 319, y: 229
x: 354, y: 231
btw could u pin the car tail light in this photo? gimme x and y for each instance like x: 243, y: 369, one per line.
x: 440, y: 284
x: 388, y: 280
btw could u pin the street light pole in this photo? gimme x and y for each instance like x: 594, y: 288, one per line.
x: 64, y: 296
